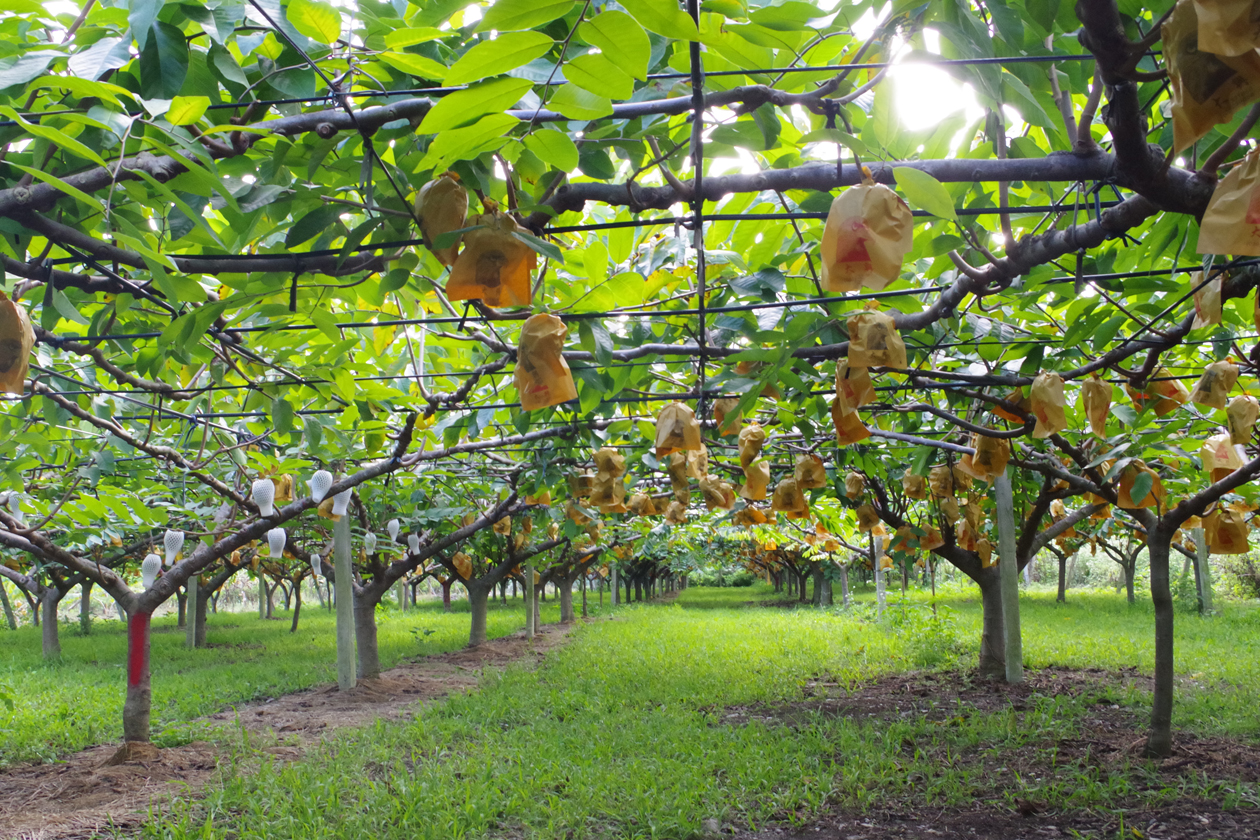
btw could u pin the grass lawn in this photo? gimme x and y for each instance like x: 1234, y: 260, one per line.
x: 64, y: 706
x: 648, y: 725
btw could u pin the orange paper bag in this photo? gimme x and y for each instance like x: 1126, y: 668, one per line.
x: 1096, y: 402
x: 676, y: 430
x: 1220, y: 457
x: 16, y: 340
x: 1047, y: 402
x: 1242, y: 413
x: 495, y: 265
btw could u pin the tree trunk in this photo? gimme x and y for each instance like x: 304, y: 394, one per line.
x: 1203, y: 570
x: 479, y: 607
x: 566, y: 600
x: 1159, y: 741
x: 583, y: 579
x: 85, y: 607
x: 993, y: 636
x: 48, y: 605
x: 139, y: 692
x: 446, y: 594
x: 1129, y: 571
x: 537, y: 610
x: 503, y: 587
x: 181, y: 606
x: 844, y: 586
x: 262, y: 597
x: 297, y: 606
x: 1062, y: 596
x: 8, y: 608
x: 369, y: 657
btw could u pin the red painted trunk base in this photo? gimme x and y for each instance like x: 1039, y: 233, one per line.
x: 138, y: 648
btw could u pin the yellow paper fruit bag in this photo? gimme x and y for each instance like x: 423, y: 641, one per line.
x: 676, y: 430
x: 868, y: 233
x: 640, y: 504
x: 914, y: 486
x: 756, y: 479
x: 941, y: 481
x: 1154, y: 496
x: 854, y: 485
x: 441, y: 207
x: 1228, y: 27
x: 809, y: 472
x: 874, y: 341
x: 1231, y: 223
x: 853, y: 387
x: 728, y: 422
x: 867, y: 518
x: 718, y: 494
x: 16, y: 340
x: 495, y: 265
x: 789, y: 499
x: 1206, y: 89
x: 1096, y: 400
x: 1207, y: 300
x: 463, y: 565
x: 1220, y: 457
x: 1047, y: 401
x: 751, y: 438
x: 1242, y: 413
x: 542, y: 375
x: 1225, y: 531
x: 1212, y: 389
x: 849, y: 427
x: 989, y: 460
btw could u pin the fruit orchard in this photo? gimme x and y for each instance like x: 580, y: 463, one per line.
x: 378, y: 292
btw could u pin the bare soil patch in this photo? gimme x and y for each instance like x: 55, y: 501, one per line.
x: 1108, y: 737
x: 1188, y: 820
x: 83, y: 794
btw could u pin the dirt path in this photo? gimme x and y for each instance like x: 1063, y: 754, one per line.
x: 81, y: 794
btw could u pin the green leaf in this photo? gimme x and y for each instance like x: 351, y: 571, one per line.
x: 66, y: 309
x: 466, y: 106
x: 97, y: 60
x: 510, y: 15
x: 282, y: 415
x: 82, y: 88
x: 400, y: 38
x: 1141, y: 487
x: 621, y: 40
x: 163, y: 62
x: 555, y: 148
x: 54, y: 136
x: 578, y: 104
x: 466, y: 143
x: 925, y: 192
x: 446, y: 240
x: 66, y: 188
x: 664, y: 18
x: 1104, y: 334
x: 542, y: 246
x: 415, y: 65
x: 141, y: 15
x: 186, y: 110
x: 318, y: 21
x: 312, y: 224
x: 491, y: 58
x: 18, y: 70
x: 596, y: 74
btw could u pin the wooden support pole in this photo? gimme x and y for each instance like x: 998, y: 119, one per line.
x: 344, y: 584
x: 1008, y: 570
x: 190, y: 628
x: 529, y: 600
x: 1204, y: 571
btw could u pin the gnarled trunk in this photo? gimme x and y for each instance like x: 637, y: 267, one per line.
x: 8, y: 607
x: 446, y: 595
x: 1159, y: 741
x: 48, y: 605
x: 199, y: 616
x: 139, y: 700
x: 297, y: 605
x: 1129, y: 571
x: 1061, y: 597
x: 369, y: 658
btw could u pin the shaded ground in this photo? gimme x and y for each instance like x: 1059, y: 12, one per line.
x: 81, y: 794
x: 1108, y: 737
x: 1188, y: 820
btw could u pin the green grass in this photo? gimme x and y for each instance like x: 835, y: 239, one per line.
x: 623, y: 733
x: 60, y: 707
